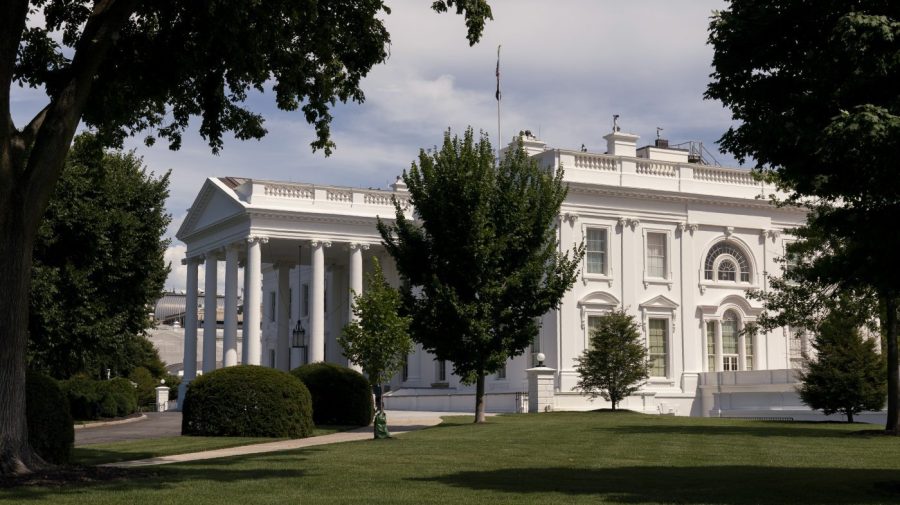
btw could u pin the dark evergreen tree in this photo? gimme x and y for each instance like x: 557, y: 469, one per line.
x: 813, y: 92
x: 98, y: 266
x: 126, y: 67
x: 615, y: 364
x: 480, y: 264
x: 846, y: 374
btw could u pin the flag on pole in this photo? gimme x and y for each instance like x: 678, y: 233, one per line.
x: 497, y: 95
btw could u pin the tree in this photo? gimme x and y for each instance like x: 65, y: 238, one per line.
x: 814, y: 95
x: 378, y: 340
x: 846, y: 374
x: 480, y: 265
x: 98, y: 265
x: 615, y: 364
x: 126, y: 67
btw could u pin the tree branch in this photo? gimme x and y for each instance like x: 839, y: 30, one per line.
x: 12, y: 22
x: 60, y: 119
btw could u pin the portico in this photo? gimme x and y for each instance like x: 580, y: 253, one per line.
x: 314, y: 241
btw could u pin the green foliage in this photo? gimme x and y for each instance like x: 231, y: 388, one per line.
x: 92, y: 399
x: 312, y: 54
x: 847, y: 373
x: 173, y: 381
x: 483, y: 266
x: 146, y: 385
x: 98, y: 264
x: 340, y: 395
x: 378, y: 340
x: 817, y: 107
x: 615, y: 364
x: 247, y: 401
x: 51, y: 432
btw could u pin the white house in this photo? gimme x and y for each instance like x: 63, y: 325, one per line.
x: 675, y: 242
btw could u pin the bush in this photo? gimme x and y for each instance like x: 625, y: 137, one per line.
x: 146, y: 385
x: 247, y: 401
x: 340, y: 395
x: 50, y: 430
x: 84, y: 400
x: 118, y: 397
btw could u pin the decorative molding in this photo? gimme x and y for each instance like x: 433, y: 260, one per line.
x: 316, y: 242
x: 357, y: 245
x: 689, y: 227
x: 257, y: 239
x: 729, y: 231
x: 571, y: 217
x: 632, y: 222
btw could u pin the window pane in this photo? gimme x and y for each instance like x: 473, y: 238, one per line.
x: 658, y: 347
x: 711, y: 345
x: 656, y: 255
x: 726, y: 271
x: 729, y: 335
x: 596, y: 251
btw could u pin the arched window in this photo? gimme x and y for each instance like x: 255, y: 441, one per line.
x: 726, y: 262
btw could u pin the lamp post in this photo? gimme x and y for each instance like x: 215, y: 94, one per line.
x: 300, y: 339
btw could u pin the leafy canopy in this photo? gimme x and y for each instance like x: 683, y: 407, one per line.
x: 615, y: 364
x: 480, y: 263
x: 378, y: 340
x: 98, y: 265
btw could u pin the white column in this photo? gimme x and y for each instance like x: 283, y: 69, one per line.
x: 253, y: 299
x: 742, y: 348
x: 229, y: 340
x: 317, y: 307
x: 283, y: 318
x: 356, y: 276
x: 210, y: 304
x: 718, y: 346
x: 190, y: 328
x: 244, y: 336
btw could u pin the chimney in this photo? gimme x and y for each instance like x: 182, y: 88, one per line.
x: 621, y: 144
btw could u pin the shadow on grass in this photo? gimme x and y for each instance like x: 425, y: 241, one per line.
x: 117, y: 480
x: 732, y: 485
x: 742, y: 428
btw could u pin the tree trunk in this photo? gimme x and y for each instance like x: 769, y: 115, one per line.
x: 893, y: 379
x: 378, y: 398
x: 17, y: 232
x: 479, y: 397
x: 614, y: 402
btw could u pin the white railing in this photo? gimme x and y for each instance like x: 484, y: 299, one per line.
x: 333, y: 195
x: 295, y: 191
x: 657, y: 168
x: 596, y: 162
x: 724, y: 176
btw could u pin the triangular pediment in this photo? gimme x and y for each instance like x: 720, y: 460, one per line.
x: 659, y: 302
x: 215, y: 203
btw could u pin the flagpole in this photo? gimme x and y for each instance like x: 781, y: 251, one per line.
x: 499, y: 135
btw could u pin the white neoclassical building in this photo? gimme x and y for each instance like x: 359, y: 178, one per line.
x: 676, y: 242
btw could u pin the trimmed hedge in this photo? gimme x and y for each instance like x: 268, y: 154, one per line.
x: 50, y: 429
x: 340, y: 395
x: 92, y: 399
x: 247, y: 401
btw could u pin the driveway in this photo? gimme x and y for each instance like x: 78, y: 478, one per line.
x: 155, y: 425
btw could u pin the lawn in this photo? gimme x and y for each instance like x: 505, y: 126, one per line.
x: 539, y: 458
x: 96, y: 454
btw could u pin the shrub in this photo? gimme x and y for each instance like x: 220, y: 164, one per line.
x: 146, y: 385
x: 247, y: 401
x: 173, y: 381
x: 340, y: 395
x: 118, y: 397
x: 84, y: 400
x: 50, y: 430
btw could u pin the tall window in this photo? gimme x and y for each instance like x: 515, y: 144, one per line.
x: 593, y: 322
x: 596, y: 251
x: 726, y: 262
x: 501, y: 373
x: 711, y: 346
x: 748, y: 351
x: 272, y: 301
x: 304, y: 301
x: 730, y: 342
x: 656, y: 255
x: 440, y: 373
x: 405, y: 372
x: 658, y: 347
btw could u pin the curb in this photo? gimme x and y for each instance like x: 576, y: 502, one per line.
x: 111, y: 423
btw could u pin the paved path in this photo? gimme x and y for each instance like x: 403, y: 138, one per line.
x: 169, y: 424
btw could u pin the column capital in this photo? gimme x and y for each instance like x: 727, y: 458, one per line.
x: 196, y: 260
x: 253, y: 239
x: 689, y: 227
x: 357, y: 245
x: 317, y: 242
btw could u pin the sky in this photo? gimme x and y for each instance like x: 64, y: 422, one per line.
x: 566, y: 67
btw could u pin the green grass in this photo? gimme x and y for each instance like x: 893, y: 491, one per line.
x: 97, y: 454
x: 541, y: 459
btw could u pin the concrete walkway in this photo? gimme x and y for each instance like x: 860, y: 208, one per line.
x: 399, y: 422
